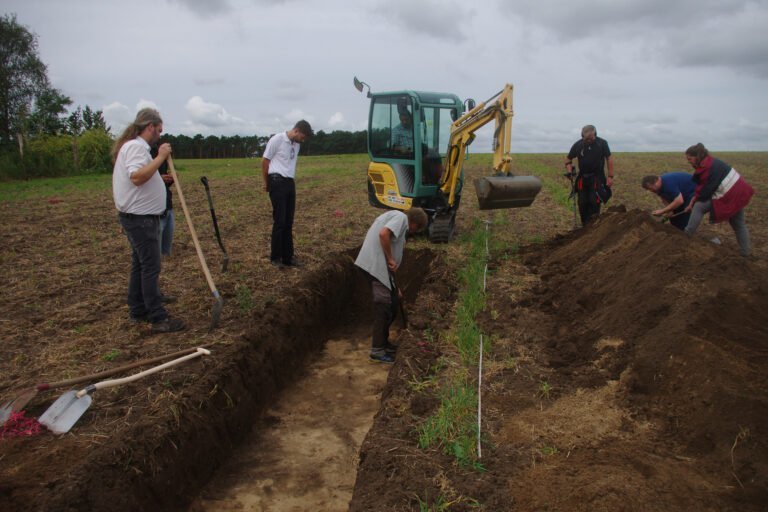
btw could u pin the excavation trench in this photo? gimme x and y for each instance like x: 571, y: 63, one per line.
x: 299, y: 379
x: 313, y: 391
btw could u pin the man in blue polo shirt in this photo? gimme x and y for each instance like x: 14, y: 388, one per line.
x: 675, y: 189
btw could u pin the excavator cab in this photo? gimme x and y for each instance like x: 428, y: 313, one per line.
x: 407, y: 141
x: 417, y: 145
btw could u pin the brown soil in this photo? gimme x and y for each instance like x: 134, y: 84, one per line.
x: 653, y: 351
x: 303, y: 454
x: 624, y: 369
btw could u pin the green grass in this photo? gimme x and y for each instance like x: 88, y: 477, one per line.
x: 317, y: 167
x: 454, y: 427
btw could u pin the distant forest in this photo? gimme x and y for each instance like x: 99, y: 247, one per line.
x: 236, y: 146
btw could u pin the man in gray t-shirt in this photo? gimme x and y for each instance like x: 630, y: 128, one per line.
x: 379, y: 258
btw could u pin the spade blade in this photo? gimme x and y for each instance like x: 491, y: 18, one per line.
x: 64, y: 412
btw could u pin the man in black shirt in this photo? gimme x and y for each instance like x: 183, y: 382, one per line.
x: 592, y: 153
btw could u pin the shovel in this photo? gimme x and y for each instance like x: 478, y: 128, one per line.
x: 27, y: 395
x: 218, y: 301
x: 403, y: 316
x: 204, y: 181
x: 64, y: 412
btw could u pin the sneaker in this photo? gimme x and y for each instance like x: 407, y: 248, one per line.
x: 277, y: 263
x: 390, y: 349
x: 167, y: 299
x: 294, y: 263
x: 168, y: 325
x: 382, y: 358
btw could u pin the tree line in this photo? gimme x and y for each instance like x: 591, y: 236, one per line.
x: 41, y: 134
x: 336, y: 142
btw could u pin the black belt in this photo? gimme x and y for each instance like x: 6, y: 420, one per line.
x: 137, y: 216
x: 278, y: 177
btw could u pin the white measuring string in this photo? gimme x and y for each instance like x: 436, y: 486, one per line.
x: 480, y: 363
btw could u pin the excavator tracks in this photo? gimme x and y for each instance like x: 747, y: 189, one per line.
x: 441, y: 228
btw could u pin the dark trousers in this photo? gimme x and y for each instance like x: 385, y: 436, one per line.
x: 384, y: 311
x: 681, y: 220
x: 143, y: 233
x: 282, y: 193
x: 588, y: 205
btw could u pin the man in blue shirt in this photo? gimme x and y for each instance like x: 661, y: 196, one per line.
x: 675, y: 189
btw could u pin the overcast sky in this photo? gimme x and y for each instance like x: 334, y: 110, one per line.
x: 652, y: 75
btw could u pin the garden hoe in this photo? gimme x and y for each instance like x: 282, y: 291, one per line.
x: 204, y: 181
x: 64, y: 412
x: 218, y: 301
x: 26, y: 396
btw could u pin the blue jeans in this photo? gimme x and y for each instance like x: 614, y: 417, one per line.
x: 167, y: 225
x: 143, y: 232
x: 737, y: 222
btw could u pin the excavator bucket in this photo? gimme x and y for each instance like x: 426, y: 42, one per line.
x: 495, y: 192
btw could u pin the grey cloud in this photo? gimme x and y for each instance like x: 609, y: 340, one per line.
x: 209, y: 82
x: 205, y: 8
x: 291, y: 91
x: 738, y: 41
x: 681, y: 33
x: 440, y: 20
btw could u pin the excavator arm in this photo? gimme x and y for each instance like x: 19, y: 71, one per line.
x: 501, y: 189
x: 498, y: 108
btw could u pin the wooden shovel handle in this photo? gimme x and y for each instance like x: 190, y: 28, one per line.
x: 116, y: 382
x: 192, y: 229
x: 114, y: 371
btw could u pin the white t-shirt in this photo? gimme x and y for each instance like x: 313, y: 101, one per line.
x: 145, y: 199
x: 282, y: 155
x: 371, y: 257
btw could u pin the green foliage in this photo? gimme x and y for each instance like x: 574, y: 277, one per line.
x: 47, y: 118
x: 111, y: 355
x: 93, y: 148
x: 244, y: 298
x: 48, y: 156
x: 23, y: 76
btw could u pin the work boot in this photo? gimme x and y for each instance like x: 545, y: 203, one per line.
x: 294, y: 263
x: 139, y: 319
x: 168, y: 325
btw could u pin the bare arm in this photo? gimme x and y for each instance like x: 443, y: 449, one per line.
x: 385, y: 239
x: 671, y: 206
x: 265, y: 173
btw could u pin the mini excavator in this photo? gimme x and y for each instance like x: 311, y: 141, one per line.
x: 417, y: 144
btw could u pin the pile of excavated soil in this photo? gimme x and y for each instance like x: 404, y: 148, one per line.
x: 654, y: 350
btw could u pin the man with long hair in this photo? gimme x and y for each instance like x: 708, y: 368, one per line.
x: 140, y: 198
